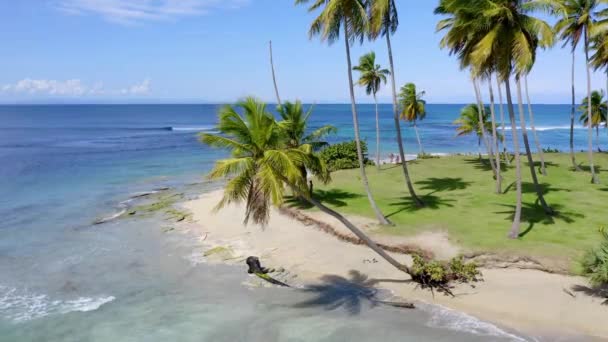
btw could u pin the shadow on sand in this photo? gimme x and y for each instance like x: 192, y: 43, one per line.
x: 599, y: 292
x: 336, y: 292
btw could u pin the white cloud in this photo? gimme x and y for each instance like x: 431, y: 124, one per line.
x: 71, y: 88
x: 134, y: 11
x: 138, y: 89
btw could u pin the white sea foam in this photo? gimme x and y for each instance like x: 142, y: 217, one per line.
x: 445, y: 318
x: 192, y: 128
x: 21, y: 306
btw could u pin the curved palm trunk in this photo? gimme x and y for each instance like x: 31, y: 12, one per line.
x: 418, y: 138
x: 524, y: 133
x: 482, y: 129
x: 274, y: 79
x: 515, y: 227
x: 410, y: 187
x: 502, y: 120
x: 572, y: 113
x: 381, y: 218
x: 597, y: 138
x: 539, y: 149
x: 377, y: 134
x: 495, y: 138
x: 358, y: 233
x: 594, y: 178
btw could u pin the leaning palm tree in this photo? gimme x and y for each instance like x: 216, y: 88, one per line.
x: 468, y: 123
x: 372, y: 77
x: 500, y: 36
x: 350, y: 17
x: 577, y: 20
x: 598, y: 110
x: 263, y: 165
x: 296, y: 132
x: 413, y: 108
x: 384, y: 22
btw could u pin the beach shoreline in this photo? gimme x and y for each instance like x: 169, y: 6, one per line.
x: 308, y: 255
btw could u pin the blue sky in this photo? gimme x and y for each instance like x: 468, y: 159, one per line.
x: 150, y: 51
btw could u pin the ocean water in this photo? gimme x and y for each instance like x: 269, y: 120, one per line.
x: 64, y: 279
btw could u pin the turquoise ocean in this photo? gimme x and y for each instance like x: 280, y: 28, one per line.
x: 64, y: 279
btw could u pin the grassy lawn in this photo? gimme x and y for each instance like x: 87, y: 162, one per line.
x: 460, y: 195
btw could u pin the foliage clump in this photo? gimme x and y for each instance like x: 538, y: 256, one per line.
x: 343, y: 156
x: 436, y: 274
x: 551, y: 150
x: 595, y: 263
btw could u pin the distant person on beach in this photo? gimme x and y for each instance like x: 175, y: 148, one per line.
x: 391, y: 157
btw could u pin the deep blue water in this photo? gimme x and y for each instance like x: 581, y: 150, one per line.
x: 61, y: 167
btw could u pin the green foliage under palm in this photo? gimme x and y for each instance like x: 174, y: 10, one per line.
x: 343, y: 156
x: 468, y: 122
x: 595, y: 263
x: 295, y: 126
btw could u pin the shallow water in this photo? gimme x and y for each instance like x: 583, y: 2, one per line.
x: 64, y: 279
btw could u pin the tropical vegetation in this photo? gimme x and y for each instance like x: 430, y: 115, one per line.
x: 413, y: 108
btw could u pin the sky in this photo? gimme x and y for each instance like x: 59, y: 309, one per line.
x: 216, y: 51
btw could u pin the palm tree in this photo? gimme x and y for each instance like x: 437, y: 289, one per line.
x: 500, y: 36
x: 350, y: 16
x: 262, y: 166
x: 495, y: 137
x: 384, y: 22
x: 539, y: 149
x: 502, y: 121
x: 576, y: 22
x: 372, y: 77
x: 294, y: 127
x: 468, y: 123
x: 413, y: 107
x: 598, y: 110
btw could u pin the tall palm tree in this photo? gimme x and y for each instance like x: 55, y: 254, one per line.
x: 413, y: 108
x: 468, y: 123
x: 576, y: 22
x: 500, y: 36
x: 296, y: 132
x: 502, y: 121
x: 539, y: 149
x: 372, y: 77
x: 495, y: 137
x: 350, y: 16
x: 263, y: 165
x: 384, y: 22
x: 598, y: 110
x: 487, y: 144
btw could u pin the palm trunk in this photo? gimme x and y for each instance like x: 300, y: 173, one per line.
x: 597, y: 137
x: 418, y: 138
x: 594, y: 178
x: 377, y: 134
x: 502, y: 120
x: 495, y: 137
x: 543, y: 169
x: 417, y: 201
x: 482, y: 129
x: 515, y: 227
x: 524, y: 133
x: 381, y: 218
x: 274, y: 79
x: 572, y: 113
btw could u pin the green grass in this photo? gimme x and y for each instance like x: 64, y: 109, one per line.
x: 460, y: 195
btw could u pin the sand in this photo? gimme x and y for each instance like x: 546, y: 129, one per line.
x: 527, y: 300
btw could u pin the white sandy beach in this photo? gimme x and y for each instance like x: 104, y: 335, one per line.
x: 527, y: 300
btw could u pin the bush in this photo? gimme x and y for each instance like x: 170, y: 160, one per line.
x: 551, y: 150
x: 435, y: 274
x: 595, y: 263
x: 343, y: 156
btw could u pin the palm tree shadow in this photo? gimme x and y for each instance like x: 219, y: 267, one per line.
x: 443, y: 184
x: 333, y: 197
x: 430, y: 202
x: 586, y: 168
x: 534, y: 214
x: 596, y: 292
x: 353, y: 294
x: 484, y: 164
x: 528, y: 187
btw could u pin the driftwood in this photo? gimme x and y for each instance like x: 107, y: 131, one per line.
x: 255, y: 267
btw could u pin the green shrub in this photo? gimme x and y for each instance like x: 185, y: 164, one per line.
x: 551, y: 150
x: 343, y: 156
x: 431, y: 273
x: 595, y: 263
